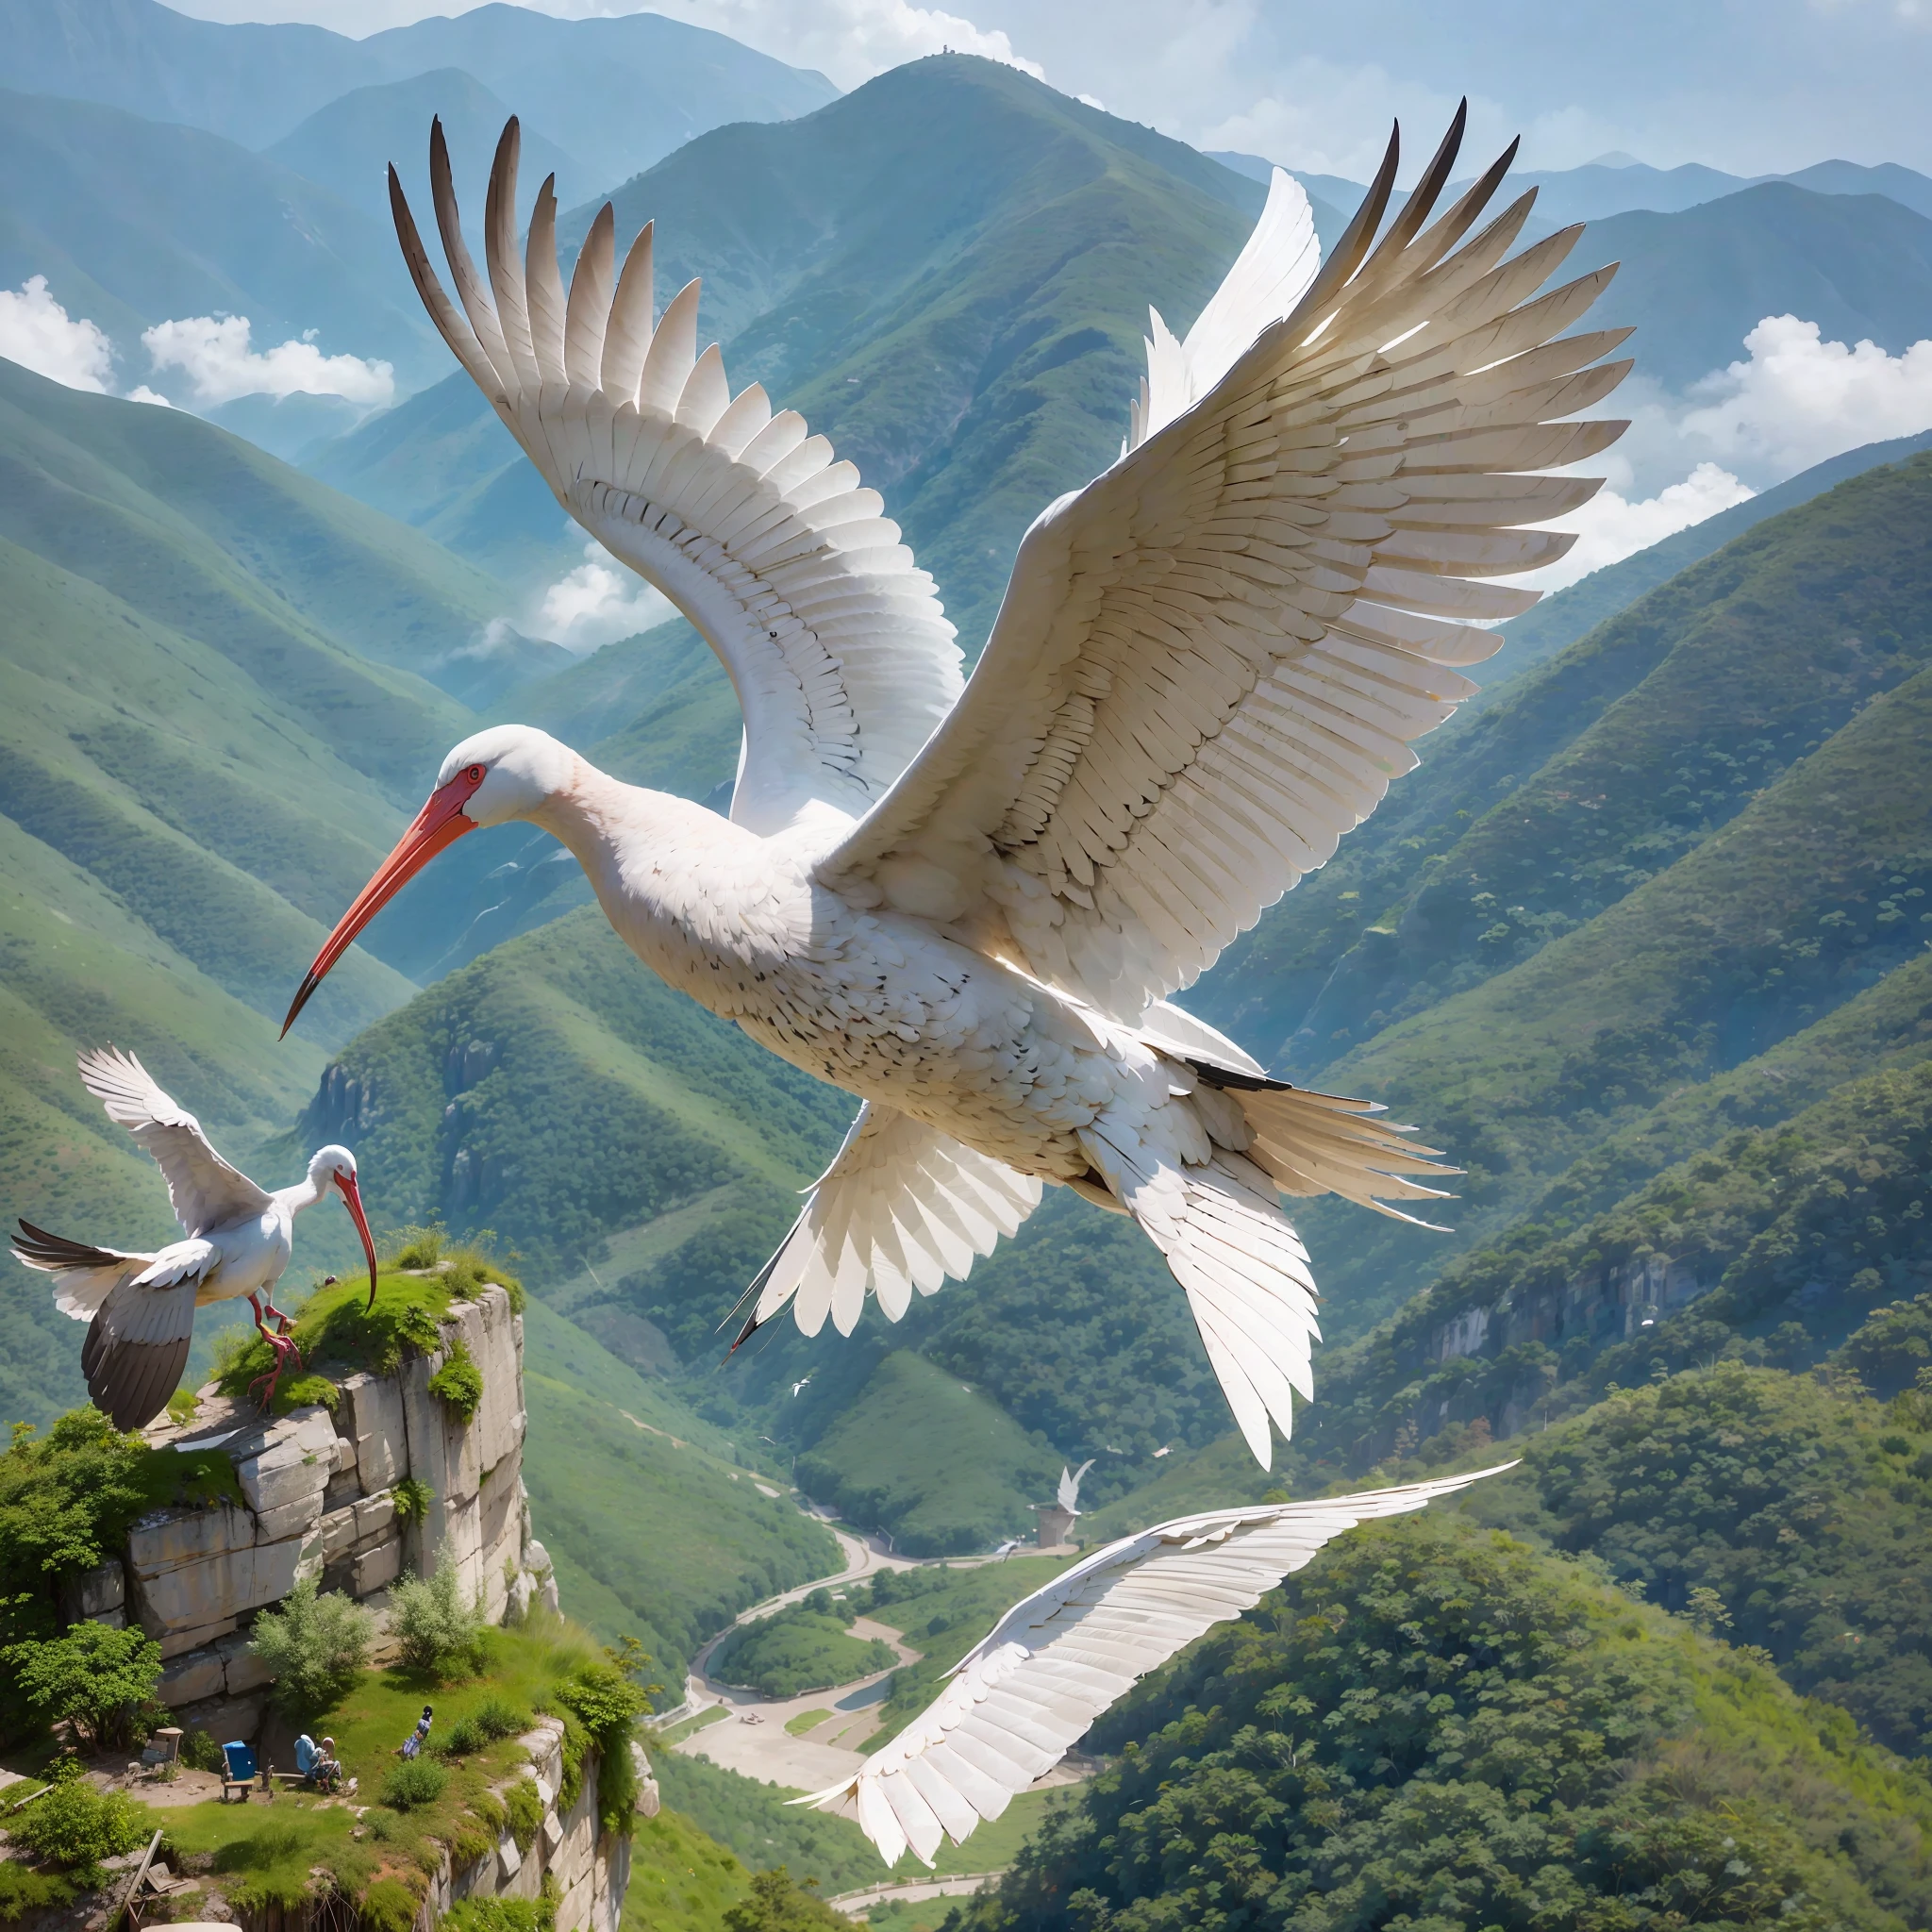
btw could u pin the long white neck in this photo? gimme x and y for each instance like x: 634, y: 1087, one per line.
x: 671, y: 876
x: 307, y: 1193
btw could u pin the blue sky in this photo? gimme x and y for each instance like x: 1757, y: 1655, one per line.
x: 1752, y: 86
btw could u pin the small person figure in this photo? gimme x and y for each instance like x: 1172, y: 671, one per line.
x: 305, y: 1756
x: 326, y: 1774
x: 414, y: 1743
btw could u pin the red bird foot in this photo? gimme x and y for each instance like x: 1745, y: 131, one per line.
x: 288, y: 1359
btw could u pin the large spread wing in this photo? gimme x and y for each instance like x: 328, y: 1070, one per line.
x: 835, y: 640
x: 203, y: 1189
x: 1019, y: 1701
x: 902, y: 1206
x: 1210, y: 662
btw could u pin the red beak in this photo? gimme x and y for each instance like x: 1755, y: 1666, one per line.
x: 352, y: 1194
x: 438, y: 825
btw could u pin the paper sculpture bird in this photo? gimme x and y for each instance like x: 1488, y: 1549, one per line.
x: 139, y: 1308
x: 1018, y: 1701
x: 970, y: 906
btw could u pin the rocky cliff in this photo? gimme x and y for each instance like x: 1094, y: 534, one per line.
x: 389, y: 1480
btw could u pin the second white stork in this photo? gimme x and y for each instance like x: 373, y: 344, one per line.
x: 1023, y: 1695
x: 969, y: 907
x: 139, y: 1306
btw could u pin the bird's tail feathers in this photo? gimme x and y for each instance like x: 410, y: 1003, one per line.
x: 84, y: 1276
x: 1245, y: 1271
x: 1322, y: 1143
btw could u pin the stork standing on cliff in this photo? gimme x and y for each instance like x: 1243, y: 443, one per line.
x: 140, y: 1307
x: 969, y: 903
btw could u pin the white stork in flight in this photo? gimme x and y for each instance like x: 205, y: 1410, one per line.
x: 141, y: 1306
x: 1023, y: 1696
x: 968, y: 901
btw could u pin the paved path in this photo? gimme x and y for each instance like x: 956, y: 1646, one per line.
x: 911, y: 1891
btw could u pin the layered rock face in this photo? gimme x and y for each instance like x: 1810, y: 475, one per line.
x: 592, y: 1869
x: 321, y: 1498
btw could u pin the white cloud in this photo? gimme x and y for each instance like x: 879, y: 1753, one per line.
x: 1610, y: 528
x: 39, y: 334
x: 594, y: 605
x: 1795, y: 400
x: 847, y: 40
x: 141, y: 393
x: 1799, y: 399
x: 215, y: 355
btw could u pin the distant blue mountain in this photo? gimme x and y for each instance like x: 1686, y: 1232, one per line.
x: 623, y: 92
x: 1615, y: 184
x: 348, y: 145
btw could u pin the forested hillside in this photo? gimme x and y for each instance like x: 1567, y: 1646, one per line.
x: 1438, y: 1727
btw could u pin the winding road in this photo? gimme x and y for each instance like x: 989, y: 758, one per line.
x: 753, y: 1739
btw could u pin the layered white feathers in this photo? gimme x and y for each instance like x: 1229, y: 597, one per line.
x: 1269, y: 278
x: 836, y: 642
x: 1027, y: 1693
x: 1210, y: 662
x: 903, y: 1207
x: 203, y: 1189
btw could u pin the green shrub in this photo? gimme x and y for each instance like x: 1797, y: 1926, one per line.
x: 389, y: 1905
x: 76, y: 1826
x: 440, y: 1633
x: 66, y: 1503
x: 24, y: 1892
x: 100, y: 1680
x: 502, y: 1915
x: 416, y: 1248
x: 413, y: 1784
x: 607, y: 1704
x: 412, y: 1498
x: 779, y: 1903
x: 525, y: 1811
x: 459, y: 1384
x: 483, y: 1727
x: 335, y: 1324
x: 314, y: 1647
x: 199, y: 1752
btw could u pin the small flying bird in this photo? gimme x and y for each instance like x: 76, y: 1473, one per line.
x: 970, y: 904
x: 1070, y: 1487
x: 141, y: 1306
x: 1027, y: 1693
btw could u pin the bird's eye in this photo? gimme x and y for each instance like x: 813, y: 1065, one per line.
x: 474, y: 775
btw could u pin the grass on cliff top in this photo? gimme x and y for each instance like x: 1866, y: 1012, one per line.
x: 269, y: 1854
x: 338, y: 1332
